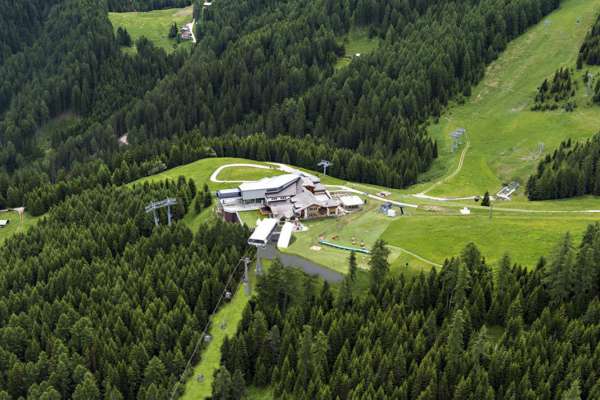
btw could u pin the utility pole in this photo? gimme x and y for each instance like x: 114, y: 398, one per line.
x: 246, y: 280
x: 258, y: 265
x: 491, y: 208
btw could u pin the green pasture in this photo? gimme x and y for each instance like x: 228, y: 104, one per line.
x: 154, y: 25
x: 526, y: 237
x: 505, y: 136
x: 247, y: 173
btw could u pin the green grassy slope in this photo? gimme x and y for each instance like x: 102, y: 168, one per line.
x: 154, y: 25
x: 504, y: 135
x: 15, y: 226
x: 201, y: 170
x: 524, y: 237
x: 230, y: 315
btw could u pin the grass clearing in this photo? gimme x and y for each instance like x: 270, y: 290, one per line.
x: 526, y: 232
x: 14, y: 225
x: 259, y: 394
x: 154, y: 25
x: 356, y: 44
x: 504, y: 134
x: 249, y: 218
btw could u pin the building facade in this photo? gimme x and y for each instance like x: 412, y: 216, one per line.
x: 288, y: 196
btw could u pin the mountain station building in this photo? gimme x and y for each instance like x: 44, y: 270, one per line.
x: 288, y: 196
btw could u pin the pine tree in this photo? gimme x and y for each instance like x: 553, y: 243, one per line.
x: 455, y: 347
x: 238, y: 385
x: 198, y: 203
x: 222, y: 387
x: 87, y: 390
x: 574, y: 392
x: 559, y: 272
x: 485, y: 202
x: 379, y: 263
x: 173, y: 31
x: 352, y: 266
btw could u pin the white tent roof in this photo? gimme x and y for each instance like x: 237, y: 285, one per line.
x: 285, y: 236
x: 3, y: 222
x: 270, y: 183
x: 351, y: 201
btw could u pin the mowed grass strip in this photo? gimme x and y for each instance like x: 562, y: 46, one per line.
x: 230, y: 315
x: 504, y: 134
x: 154, y: 25
x: 247, y: 173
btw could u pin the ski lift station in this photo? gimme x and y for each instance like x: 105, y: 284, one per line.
x: 262, y: 232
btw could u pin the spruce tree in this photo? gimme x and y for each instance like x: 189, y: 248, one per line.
x: 238, y: 385
x: 222, y: 387
x: 379, y: 264
x: 485, y: 202
x: 173, y: 31
x: 352, y: 266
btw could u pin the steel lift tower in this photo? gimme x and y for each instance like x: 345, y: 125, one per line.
x: 325, y: 164
x: 155, y: 205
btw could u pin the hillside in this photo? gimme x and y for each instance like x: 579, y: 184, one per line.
x: 457, y: 295
x: 507, y: 139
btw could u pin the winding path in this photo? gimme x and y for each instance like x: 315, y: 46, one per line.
x: 213, y: 177
x: 191, y: 27
x: 461, y: 161
x: 418, y: 257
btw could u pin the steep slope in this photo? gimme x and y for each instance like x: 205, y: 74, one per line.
x: 506, y: 138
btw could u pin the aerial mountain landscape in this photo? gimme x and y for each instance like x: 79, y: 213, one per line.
x: 281, y: 199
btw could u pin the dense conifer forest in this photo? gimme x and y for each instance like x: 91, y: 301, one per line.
x: 260, y: 67
x: 287, y: 83
x: 20, y: 22
x: 572, y: 170
x: 98, y: 303
x: 427, y: 337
